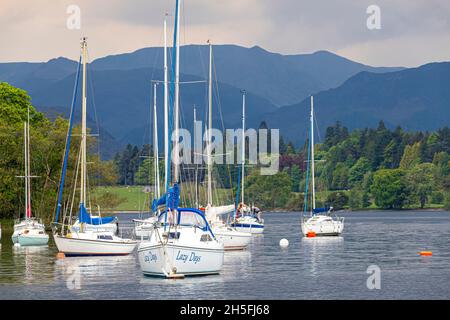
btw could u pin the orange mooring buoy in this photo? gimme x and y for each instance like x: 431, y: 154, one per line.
x: 426, y: 253
x: 311, y: 234
x: 60, y: 255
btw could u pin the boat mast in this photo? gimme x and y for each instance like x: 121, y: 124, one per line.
x: 243, y: 143
x: 208, y: 152
x: 177, y: 95
x: 166, y: 110
x: 83, y: 126
x: 155, y: 144
x: 196, y: 165
x: 28, y: 173
x: 312, y: 155
x: 25, y: 162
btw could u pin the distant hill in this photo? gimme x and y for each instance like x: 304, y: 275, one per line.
x: 357, y: 95
x: 416, y: 99
x: 281, y: 79
x: 122, y: 100
x: 108, y: 146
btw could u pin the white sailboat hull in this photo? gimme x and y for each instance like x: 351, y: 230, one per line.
x: 29, y: 232
x: 232, y: 239
x: 186, y: 260
x: 88, y: 247
x: 144, y: 228
x: 248, y: 224
x: 32, y: 239
x: 322, y: 225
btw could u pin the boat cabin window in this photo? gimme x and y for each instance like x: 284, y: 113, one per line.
x: 186, y: 219
x: 205, y: 237
x: 174, y: 235
x: 104, y: 237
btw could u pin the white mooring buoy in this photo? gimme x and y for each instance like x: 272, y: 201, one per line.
x: 284, y: 243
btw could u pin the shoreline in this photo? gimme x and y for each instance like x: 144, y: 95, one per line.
x: 337, y: 211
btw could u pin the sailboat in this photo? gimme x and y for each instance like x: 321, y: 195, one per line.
x: 142, y: 227
x: 320, y: 222
x: 181, y: 242
x: 84, y: 241
x: 247, y: 218
x: 229, y: 236
x: 29, y: 231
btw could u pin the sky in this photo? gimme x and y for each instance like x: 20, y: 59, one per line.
x: 412, y: 33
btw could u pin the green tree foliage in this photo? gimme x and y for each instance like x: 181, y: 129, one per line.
x: 269, y: 192
x: 47, y: 144
x: 338, y: 200
x: 296, y: 177
x: 420, y: 183
x: 340, y: 177
x: 358, y: 170
x: 411, y: 156
x: 389, y: 188
x: 295, y: 203
x: 129, y: 161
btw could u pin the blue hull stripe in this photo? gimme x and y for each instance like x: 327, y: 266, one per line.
x: 241, y: 225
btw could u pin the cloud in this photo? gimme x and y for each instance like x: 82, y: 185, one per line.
x: 412, y: 33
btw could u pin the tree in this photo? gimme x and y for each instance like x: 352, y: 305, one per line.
x: 145, y: 174
x: 14, y: 106
x: 268, y: 191
x: 411, y: 156
x: 338, y: 200
x: 358, y: 170
x: 340, y: 177
x: 389, y: 189
x: 420, y: 182
x: 295, y: 203
x: 295, y: 178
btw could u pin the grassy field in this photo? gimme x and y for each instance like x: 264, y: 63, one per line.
x: 135, y: 199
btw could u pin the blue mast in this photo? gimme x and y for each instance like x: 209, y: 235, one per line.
x: 171, y: 96
x: 68, y: 139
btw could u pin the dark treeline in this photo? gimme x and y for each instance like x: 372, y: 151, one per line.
x: 377, y: 167
x: 371, y: 167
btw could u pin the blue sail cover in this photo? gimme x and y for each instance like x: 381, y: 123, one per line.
x: 85, y: 217
x: 320, y: 210
x: 170, y: 198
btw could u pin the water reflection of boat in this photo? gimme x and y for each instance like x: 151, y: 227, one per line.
x: 94, y: 269
x: 31, y: 259
x: 236, y: 261
x: 317, y: 248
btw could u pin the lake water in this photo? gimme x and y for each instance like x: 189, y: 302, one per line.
x: 310, y: 268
